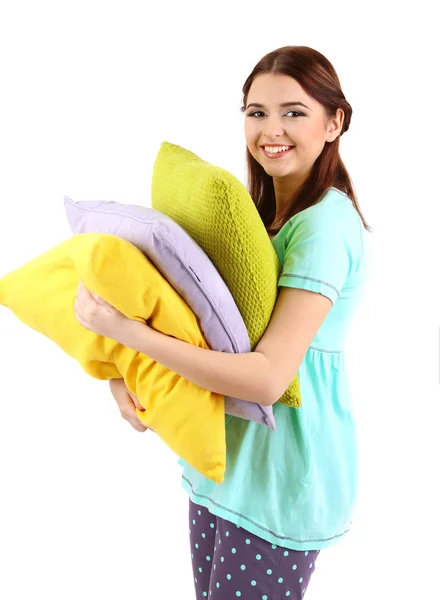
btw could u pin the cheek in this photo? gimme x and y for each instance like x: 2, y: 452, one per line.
x: 252, y: 137
x: 250, y: 132
x: 310, y: 142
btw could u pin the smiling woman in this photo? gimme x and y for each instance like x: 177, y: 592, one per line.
x: 287, y: 143
x: 282, y: 82
x: 289, y: 493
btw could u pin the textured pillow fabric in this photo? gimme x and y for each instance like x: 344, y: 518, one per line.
x: 216, y: 210
x: 187, y: 268
x: 188, y: 418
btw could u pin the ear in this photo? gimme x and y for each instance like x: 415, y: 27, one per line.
x: 334, y: 126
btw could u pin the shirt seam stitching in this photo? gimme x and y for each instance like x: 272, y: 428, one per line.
x: 311, y: 279
x: 326, y: 351
x: 280, y: 537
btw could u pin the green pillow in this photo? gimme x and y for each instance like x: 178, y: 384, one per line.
x: 216, y: 210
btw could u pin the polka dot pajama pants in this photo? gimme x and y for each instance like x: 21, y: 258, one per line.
x: 229, y: 562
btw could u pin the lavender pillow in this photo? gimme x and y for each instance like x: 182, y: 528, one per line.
x: 188, y: 269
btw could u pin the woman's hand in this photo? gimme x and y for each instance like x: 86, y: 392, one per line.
x: 97, y: 315
x: 127, y: 403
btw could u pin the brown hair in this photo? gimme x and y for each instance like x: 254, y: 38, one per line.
x: 318, y: 78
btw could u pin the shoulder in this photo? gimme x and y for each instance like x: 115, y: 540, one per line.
x: 333, y: 217
x: 324, y: 239
x: 334, y: 209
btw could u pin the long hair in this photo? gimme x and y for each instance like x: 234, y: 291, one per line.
x: 318, y: 78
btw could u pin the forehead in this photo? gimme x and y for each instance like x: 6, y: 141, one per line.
x: 274, y: 89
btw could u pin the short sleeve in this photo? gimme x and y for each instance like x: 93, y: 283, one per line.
x: 318, y: 255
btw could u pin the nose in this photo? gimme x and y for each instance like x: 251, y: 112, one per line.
x: 273, y: 128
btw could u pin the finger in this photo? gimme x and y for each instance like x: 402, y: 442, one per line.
x: 78, y: 297
x: 77, y: 306
x: 84, y: 294
x: 136, y: 401
x: 127, y: 407
x: 77, y: 312
x: 80, y: 289
x: 100, y: 300
x: 126, y: 404
x: 129, y: 414
x: 137, y: 425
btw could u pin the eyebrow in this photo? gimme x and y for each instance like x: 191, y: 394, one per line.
x: 283, y: 105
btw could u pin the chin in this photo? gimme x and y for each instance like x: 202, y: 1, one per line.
x: 273, y: 171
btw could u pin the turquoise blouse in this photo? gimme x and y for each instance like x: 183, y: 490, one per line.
x: 296, y: 486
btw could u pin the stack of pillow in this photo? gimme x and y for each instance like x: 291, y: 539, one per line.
x: 198, y: 266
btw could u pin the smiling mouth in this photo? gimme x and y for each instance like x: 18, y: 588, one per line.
x: 276, y: 151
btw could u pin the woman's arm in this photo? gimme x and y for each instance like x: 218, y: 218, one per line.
x: 243, y: 375
x: 260, y: 376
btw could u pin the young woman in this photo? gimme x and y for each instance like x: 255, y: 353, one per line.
x: 289, y: 493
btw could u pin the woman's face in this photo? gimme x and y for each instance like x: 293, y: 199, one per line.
x: 280, y: 114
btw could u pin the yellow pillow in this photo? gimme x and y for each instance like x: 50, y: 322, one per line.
x: 216, y: 210
x: 189, y: 419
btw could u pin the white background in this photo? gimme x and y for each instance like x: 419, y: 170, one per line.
x: 91, y: 509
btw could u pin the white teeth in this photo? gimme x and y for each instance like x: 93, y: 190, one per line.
x: 275, y: 149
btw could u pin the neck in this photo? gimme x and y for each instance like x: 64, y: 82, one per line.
x: 286, y: 194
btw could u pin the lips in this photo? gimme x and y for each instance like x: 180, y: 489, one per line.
x: 276, y: 154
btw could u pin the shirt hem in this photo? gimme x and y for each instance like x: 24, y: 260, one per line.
x: 310, y: 284
x: 264, y: 533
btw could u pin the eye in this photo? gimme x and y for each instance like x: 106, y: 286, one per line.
x: 295, y: 112
x: 256, y: 113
